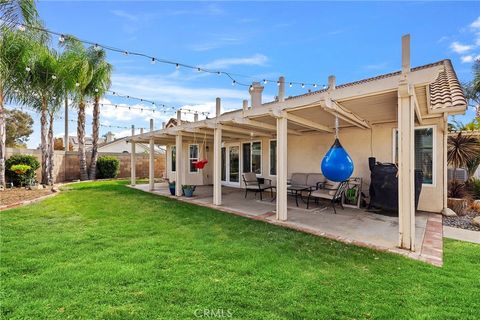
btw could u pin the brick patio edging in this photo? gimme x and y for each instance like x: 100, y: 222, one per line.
x: 431, y: 257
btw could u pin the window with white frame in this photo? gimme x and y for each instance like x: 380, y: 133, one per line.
x: 173, y: 157
x: 193, y: 157
x: 424, y: 152
x: 252, y: 157
x: 273, y: 157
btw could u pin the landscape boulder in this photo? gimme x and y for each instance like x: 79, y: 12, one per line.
x: 447, y: 212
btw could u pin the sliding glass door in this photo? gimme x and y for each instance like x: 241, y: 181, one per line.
x: 231, y: 164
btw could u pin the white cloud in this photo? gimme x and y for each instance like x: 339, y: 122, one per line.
x: 255, y: 60
x: 476, y: 24
x: 460, y: 48
x: 125, y: 15
x: 466, y: 59
x: 158, y: 88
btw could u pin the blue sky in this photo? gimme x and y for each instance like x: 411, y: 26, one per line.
x: 304, y: 41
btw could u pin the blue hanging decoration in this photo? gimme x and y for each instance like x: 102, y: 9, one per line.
x: 337, y: 165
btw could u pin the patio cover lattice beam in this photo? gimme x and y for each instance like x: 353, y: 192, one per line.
x: 261, y: 125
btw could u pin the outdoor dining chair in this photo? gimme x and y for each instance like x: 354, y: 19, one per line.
x: 254, y: 184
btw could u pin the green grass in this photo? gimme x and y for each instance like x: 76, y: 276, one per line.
x: 102, y: 250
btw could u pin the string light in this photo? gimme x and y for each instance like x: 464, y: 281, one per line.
x: 97, y: 46
x: 177, y: 66
x: 28, y: 69
x: 54, y: 77
x: 153, y: 61
x: 61, y: 39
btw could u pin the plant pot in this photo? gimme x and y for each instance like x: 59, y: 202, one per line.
x: 188, y: 192
x: 172, y: 189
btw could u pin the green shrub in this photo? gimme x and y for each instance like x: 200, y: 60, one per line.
x: 21, y: 170
x: 107, y: 167
x: 21, y: 159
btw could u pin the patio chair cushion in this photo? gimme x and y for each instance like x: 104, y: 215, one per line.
x: 321, y: 193
x: 299, y: 179
x: 250, y: 177
x: 261, y: 186
x: 314, y: 178
x: 332, y: 185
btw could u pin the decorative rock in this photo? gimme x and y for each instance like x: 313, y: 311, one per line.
x: 476, y: 221
x: 447, y: 212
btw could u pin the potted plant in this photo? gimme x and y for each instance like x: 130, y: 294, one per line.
x: 188, y: 190
x: 171, y: 187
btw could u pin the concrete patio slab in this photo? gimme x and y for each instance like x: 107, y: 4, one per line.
x: 351, y: 225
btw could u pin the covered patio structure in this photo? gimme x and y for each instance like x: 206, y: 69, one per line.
x: 378, y: 117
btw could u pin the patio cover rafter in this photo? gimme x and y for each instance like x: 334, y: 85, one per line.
x: 307, y: 123
x: 261, y: 125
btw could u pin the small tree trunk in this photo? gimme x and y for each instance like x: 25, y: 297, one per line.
x: 95, y: 133
x: 459, y: 206
x: 81, y: 141
x: 44, y: 141
x: 51, y: 152
x: 2, y: 141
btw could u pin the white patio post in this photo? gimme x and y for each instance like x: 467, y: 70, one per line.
x: 132, y: 160
x: 151, y: 162
x: 282, y: 156
x: 406, y: 152
x: 217, y: 158
x: 179, y: 163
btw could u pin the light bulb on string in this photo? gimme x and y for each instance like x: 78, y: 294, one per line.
x: 96, y: 47
x: 265, y: 81
x: 96, y: 90
x: 153, y: 61
x: 251, y: 88
x: 278, y: 83
x: 177, y: 66
x: 290, y: 84
x: 303, y: 85
x: 198, y: 69
x: 61, y: 39
x: 28, y: 69
x: 77, y: 84
x: 125, y: 53
x: 21, y: 27
x: 314, y: 85
x: 54, y: 77
x: 234, y: 82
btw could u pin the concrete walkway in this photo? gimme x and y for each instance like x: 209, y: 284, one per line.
x: 461, y: 234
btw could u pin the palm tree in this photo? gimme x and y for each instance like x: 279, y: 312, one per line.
x: 14, y: 54
x: 12, y: 12
x: 43, y: 82
x: 80, y: 70
x: 98, y: 86
x: 18, y: 11
x: 472, y: 89
x: 461, y: 150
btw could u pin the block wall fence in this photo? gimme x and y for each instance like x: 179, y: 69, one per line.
x: 67, y: 164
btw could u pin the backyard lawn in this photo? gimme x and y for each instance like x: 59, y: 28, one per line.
x: 102, y: 250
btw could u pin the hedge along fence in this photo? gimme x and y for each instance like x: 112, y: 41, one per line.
x: 107, y: 167
x: 67, y: 164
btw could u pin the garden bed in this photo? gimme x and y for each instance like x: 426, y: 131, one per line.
x: 14, y: 196
x: 463, y: 222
